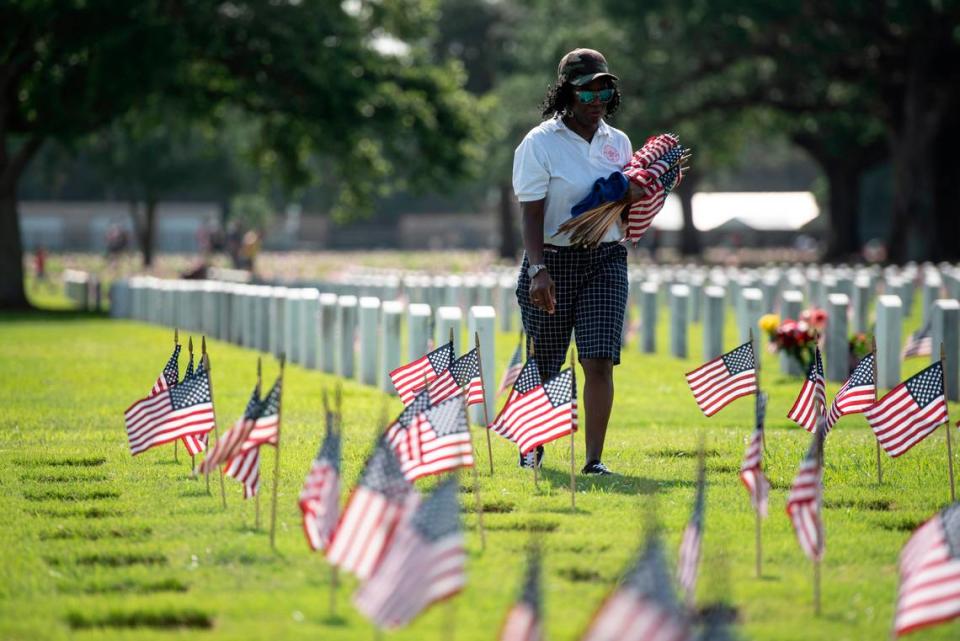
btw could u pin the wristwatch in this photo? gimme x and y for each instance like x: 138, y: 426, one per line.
x: 533, y: 270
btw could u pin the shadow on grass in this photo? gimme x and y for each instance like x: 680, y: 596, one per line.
x: 619, y: 483
x: 163, y: 619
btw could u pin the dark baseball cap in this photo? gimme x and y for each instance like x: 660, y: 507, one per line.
x: 580, y: 66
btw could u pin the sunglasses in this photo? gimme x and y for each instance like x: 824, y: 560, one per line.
x: 586, y: 96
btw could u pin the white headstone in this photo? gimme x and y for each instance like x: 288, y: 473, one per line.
x: 791, y: 305
x: 946, y: 331
x: 679, y: 320
x: 648, y: 317
x: 346, y: 334
x: 837, y: 338
x: 418, y: 329
x: 507, y: 302
x: 752, y: 305
x: 309, y: 328
x: 481, y: 322
x: 369, y: 339
x: 447, y: 319
x: 889, y: 322
x: 392, y: 315
x: 713, y: 318
x: 328, y: 332
x: 862, y: 294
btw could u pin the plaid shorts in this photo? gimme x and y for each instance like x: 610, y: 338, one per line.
x: 592, y: 292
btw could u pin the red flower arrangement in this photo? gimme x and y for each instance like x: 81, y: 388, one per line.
x: 796, y: 337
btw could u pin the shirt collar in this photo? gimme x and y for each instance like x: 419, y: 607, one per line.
x: 557, y: 124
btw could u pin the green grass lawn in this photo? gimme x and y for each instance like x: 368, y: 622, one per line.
x: 95, y: 544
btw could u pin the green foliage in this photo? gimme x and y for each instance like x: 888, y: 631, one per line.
x: 253, y: 211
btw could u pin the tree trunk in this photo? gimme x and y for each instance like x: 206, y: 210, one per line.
x: 508, y: 222
x: 12, y: 164
x: 144, y: 227
x: 690, y: 244
x: 843, y: 239
x: 946, y: 194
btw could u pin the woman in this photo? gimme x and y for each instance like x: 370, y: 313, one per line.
x: 564, y: 289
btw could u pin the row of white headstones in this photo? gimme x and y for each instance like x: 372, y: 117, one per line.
x: 355, y: 326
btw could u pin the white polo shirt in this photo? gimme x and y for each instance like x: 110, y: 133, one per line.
x: 555, y: 163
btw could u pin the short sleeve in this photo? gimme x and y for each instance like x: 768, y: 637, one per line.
x: 628, y: 148
x: 530, y: 175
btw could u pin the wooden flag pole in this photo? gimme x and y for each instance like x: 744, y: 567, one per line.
x: 876, y: 385
x: 276, y: 465
x: 256, y: 497
x: 333, y: 419
x: 193, y: 459
x: 816, y: 562
x: 943, y: 368
x: 756, y: 370
x: 176, y: 341
x: 573, y: 433
x: 536, y: 468
x: 476, y: 484
x: 205, y: 358
x: 486, y: 413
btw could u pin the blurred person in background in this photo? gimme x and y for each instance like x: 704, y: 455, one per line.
x: 563, y: 288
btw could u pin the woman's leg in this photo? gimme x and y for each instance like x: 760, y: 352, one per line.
x: 597, y: 401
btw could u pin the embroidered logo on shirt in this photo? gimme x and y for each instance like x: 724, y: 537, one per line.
x: 610, y: 153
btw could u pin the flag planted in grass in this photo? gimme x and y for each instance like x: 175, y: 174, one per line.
x: 513, y: 371
x: 910, y: 412
x: 858, y: 394
x: 537, y: 411
x: 812, y: 400
x: 643, y: 607
x: 524, y: 621
x: 320, y: 496
x: 463, y: 372
x: 724, y: 379
x: 171, y: 413
x: 376, y: 505
x: 229, y: 446
x: 920, y: 342
x: 437, y: 441
x: 194, y: 444
x: 244, y: 466
x: 751, y: 470
x: 688, y: 559
x: 929, y: 591
x: 411, y: 378
x: 806, y: 498
x: 423, y: 564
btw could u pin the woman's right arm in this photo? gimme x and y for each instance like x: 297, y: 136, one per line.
x: 542, y: 290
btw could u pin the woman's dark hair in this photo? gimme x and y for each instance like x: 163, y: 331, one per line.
x: 560, y: 96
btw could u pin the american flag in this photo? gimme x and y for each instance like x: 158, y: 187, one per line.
x: 858, y: 394
x: 424, y: 564
x: 264, y: 430
x: 654, y: 168
x: 643, y: 607
x: 463, y: 372
x: 812, y: 399
x: 537, y: 412
x: 194, y: 444
x: 398, y: 434
x: 929, y: 591
x: 438, y: 441
x: 413, y: 377
x: 751, y: 470
x: 177, y: 411
x: 375, y: 507
x: 910, y: 411
x: 229, y: 445
x: 920, y: 343
x: 320, y: 496
x: 805, y: 499
x: 524, y: 621
x: 513, y: 371
x: 688, y: 559
x: 170, y: 374
x: 724, y: 379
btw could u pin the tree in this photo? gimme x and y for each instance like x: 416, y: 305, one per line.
x: 309, y: 73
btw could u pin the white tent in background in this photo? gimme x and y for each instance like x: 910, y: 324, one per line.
x: 776, y: 210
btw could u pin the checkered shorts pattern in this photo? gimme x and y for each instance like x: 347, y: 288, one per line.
x: 592, y: 292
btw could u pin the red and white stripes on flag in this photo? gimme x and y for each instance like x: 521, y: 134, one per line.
x: 920, y: 343
x: 524, y: 620
x: 643, y: 607
x: 375, y: 507
x: 806, y: 499
x: 858, y: 394
x: 413, y: 377
x: 463, y: 372
x: 424, y: 563
x: 229, y: 445
x: 910, y: 412
x: 751, y: 470
x: 513, y: 370
x: 182, y: 410
x: 538, y: 412
x: 724, y: 379
x: 193, y: 444
x: 320, y: 496
x: 264, y: 429
x: 688, y: 559
x: 245, y: 467
x: 436, y: 441
x: 812, y: 400
x: 929, y: 591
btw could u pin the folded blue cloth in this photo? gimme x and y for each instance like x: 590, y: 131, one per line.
x: 604, y: 190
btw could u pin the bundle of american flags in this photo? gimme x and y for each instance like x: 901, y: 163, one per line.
x: 806, y: 498
x: 644, y: 606
x: 423, y: 564
x: 652, y: 173
x: 538, y: 411
x: 524, y: 621
x: 413, y: 377
x: 320, y: 496
x: 929, y: 591
x: 172, y: 410
x: 812, y: 400
x: 910, y: 412
x: 724, y: 379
